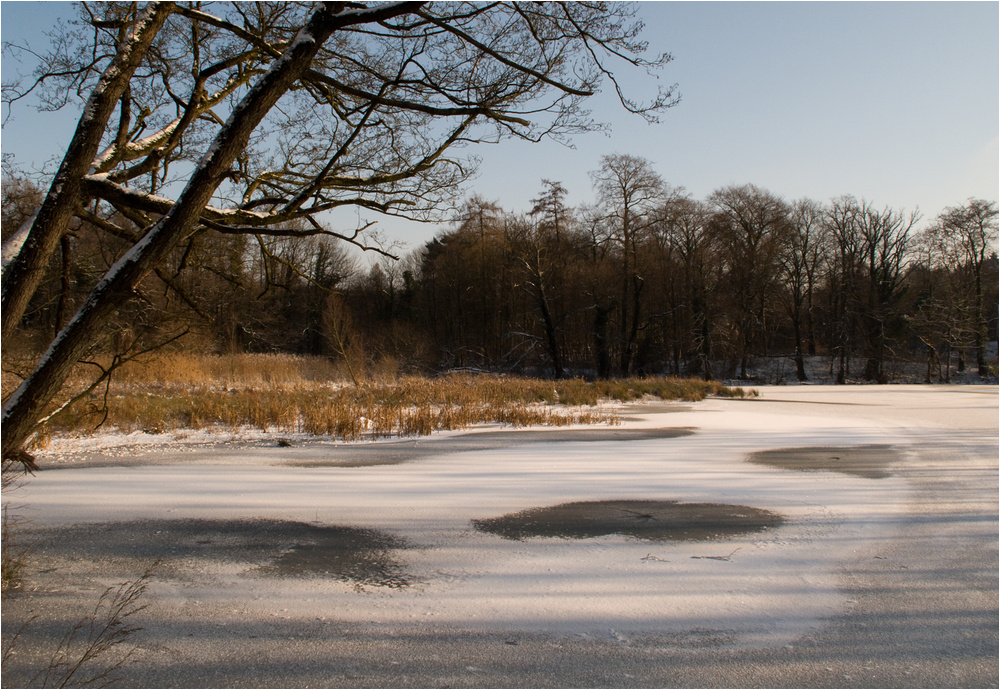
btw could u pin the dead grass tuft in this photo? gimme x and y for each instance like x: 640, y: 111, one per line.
x: 12, y: 557
x: 289, y: 394
x: 95, y: 649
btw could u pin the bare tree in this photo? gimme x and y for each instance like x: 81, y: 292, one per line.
x: 751, y: 228
x: 841, y: 222
x: 964, y: 237
x: 541, y: 253
x: 342, y: 337
x: 685, y: 224
x: 799, y: 265
x: 630, y: 192
x: 870, y: 265
x: 275, y: 112
x: 886, y: 236
x: 545, y: 248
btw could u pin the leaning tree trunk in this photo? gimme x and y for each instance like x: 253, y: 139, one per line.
x: 24, y: 273
x: 25, y: 407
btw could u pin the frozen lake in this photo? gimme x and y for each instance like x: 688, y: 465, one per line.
x: 822, y: 490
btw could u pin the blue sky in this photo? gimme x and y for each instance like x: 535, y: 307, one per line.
x: 896, y: 102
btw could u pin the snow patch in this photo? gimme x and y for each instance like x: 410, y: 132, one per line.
x: 12, y: 247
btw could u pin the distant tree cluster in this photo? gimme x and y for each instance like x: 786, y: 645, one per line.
x: 645, y: 280
x: 648, y: 280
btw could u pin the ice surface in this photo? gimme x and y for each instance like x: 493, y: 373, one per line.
x: 774, y: 585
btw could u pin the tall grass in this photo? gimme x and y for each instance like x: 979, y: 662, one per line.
x: 289, y: 394
x: 93, y: 651
x: 12, y: 558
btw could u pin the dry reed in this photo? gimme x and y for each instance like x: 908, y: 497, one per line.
x: 290, y: 394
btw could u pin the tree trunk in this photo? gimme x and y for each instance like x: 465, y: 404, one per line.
x: 601, y: 340
x: 550, y: 330
x: 24, y: 273
x: 874, y: 371
x: 25, y: 407
x: 706, y: 348
x: 65, y: 284
x: 875, y: 344
x: 980, y: 339
x: 932, y: 358
x: 810, y: 323
x: 628, y: 351
x: 876, y: 352
x: 800, y: 365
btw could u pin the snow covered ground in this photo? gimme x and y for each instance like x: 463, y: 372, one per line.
x: 765, y: 589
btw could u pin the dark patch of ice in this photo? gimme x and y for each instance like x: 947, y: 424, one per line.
x: 869, y: 462
x: 641, y: 519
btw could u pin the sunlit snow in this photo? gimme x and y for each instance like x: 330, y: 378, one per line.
x: 761, y: 588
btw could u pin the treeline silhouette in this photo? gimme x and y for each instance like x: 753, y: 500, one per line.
x: 644, y: 280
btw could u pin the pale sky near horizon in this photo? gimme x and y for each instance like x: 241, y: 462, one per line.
x: 896, y: 102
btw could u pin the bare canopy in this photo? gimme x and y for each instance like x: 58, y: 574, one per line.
x: 257, y: 118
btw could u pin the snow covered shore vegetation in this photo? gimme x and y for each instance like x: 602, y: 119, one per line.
x: 289, y: 394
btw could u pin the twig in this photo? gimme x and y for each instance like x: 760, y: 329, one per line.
x: 719, y: 558
x: 638, y: 515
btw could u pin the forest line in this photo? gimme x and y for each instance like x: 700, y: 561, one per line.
x: 645, y: 280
